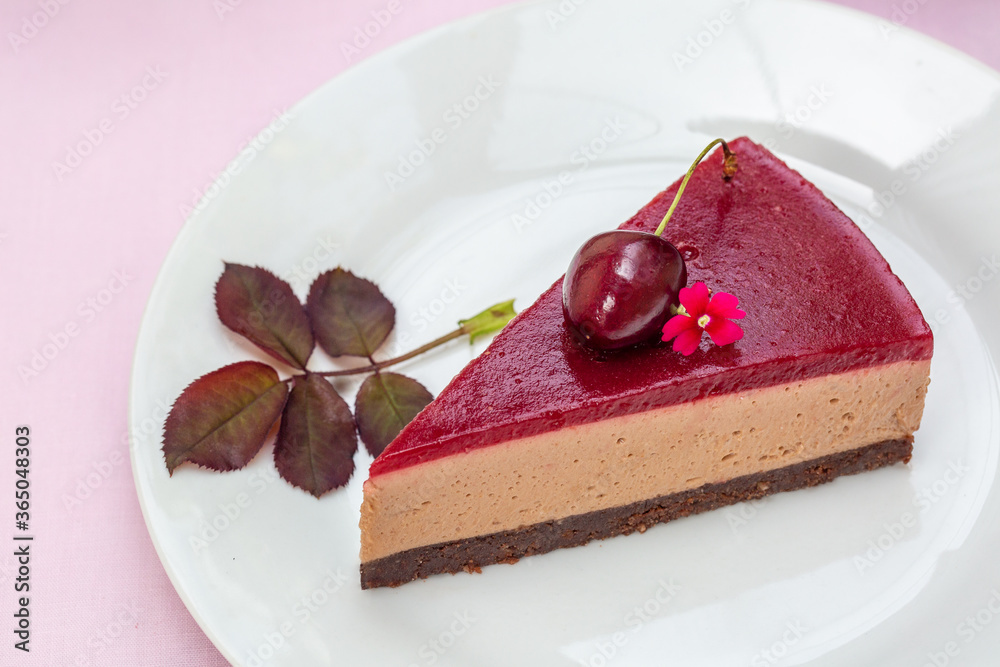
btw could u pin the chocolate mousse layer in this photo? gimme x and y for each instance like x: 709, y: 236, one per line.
x: 629, y: 458
x: 511, y: 545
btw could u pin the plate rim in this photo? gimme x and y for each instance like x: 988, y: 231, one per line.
x: 360, y: 69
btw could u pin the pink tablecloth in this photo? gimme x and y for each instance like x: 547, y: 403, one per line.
x: 155, y: 98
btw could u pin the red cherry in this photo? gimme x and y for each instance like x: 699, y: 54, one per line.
x: 620, y: 286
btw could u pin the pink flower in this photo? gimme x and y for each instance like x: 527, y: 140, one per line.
x: 698, y: 313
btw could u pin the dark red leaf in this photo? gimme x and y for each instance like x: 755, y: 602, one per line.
x: 349, y: 314
x: 222, y: 419
x: 257, y: 304
x: 317, y: 440
x: 386, y: 402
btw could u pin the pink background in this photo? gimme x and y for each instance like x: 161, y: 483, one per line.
x: 98, y: 231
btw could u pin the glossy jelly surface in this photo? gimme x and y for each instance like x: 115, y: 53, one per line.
x: 819, y: 299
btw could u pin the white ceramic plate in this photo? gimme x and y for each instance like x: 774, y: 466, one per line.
x: 477, y: 121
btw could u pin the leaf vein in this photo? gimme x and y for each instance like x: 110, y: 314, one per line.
x: 267, y: 325
x: 227, y: 420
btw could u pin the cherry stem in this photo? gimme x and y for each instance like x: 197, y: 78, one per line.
x: 728, y: 169
x: 375, y: 366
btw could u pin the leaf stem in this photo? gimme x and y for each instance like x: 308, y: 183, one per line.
x: 378, y: 365
x: 728, y: 169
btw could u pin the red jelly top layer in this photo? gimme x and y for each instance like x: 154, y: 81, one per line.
x: 819, y: 299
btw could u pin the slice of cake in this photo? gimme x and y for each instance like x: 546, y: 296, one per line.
x: 540, y: 443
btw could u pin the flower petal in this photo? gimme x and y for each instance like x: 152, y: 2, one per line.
x: 723, y: 300
x: 695, y: 299
x: 723, y: 304
x: 677, y: 325
x: 687, y: 341
x: 723, y: 332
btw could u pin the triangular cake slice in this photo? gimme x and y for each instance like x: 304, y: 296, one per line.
x: 538, y: 444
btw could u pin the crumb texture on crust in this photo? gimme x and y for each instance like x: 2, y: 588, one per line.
x: 470, y: 555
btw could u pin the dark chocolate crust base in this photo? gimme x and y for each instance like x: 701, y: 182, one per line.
x: 509, y: 546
